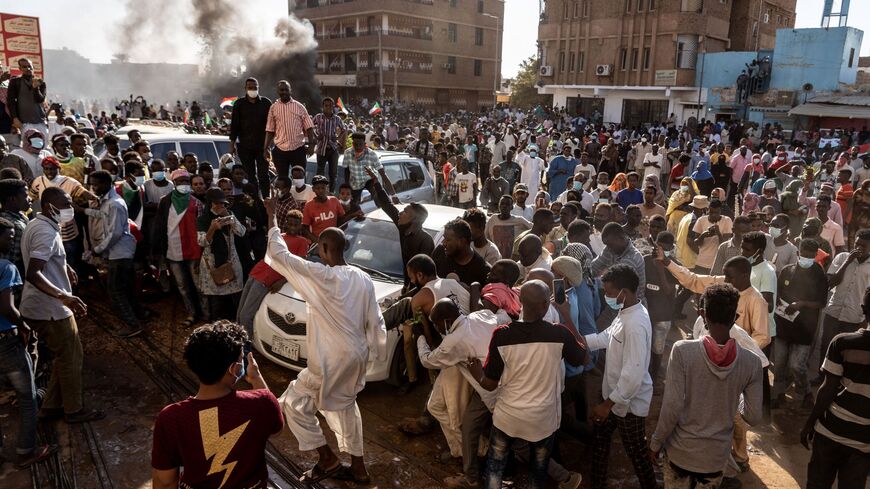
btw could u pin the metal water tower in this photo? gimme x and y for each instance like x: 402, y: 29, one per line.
x: 830, y: 18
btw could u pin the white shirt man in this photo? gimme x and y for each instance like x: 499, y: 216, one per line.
x: 532, y: 166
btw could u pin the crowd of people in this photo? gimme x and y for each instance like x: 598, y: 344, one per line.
x: 578, y: 240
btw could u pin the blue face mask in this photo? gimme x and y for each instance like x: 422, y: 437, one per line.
x: 159, y: 176
x: 578, y: 185
x: 805, y: 262
x: 37, y: 143
x: 613, y: 302
x: 533, y: 154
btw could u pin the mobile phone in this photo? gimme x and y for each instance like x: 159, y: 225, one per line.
x: 559, y: 290
x: 245, y: 350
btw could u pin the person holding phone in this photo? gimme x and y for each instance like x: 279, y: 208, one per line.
x: 24, y: 99
x: 216, y: 229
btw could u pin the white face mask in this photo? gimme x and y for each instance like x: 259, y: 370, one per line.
x: 602, y: 186
x: 345, y: 202
x: 298, y: 182
x: 140, y: 180
x: 775, y: 232
x: 253, y: 93
x: 64, y: 215
x: 183, y: 189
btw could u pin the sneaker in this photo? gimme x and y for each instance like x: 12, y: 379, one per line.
x: 573, y: 481
x: 730, y: 483
x: 461, y: 482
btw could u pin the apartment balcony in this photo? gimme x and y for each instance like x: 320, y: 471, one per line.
x: 312, y: 4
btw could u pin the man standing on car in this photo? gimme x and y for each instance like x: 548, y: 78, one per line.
x: 357, y: 160
x: 25, y: 98
x: 248, y: 127
x: 288, y: 126
x: 340, y: 342
x: 330, y: 133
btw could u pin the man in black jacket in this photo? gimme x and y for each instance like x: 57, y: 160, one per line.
x: 24, y: 99
x: 248, y: 127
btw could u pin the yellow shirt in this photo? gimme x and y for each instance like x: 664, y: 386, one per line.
x: 75, y: 169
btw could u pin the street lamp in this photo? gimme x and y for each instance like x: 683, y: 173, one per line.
x: 495, y: 69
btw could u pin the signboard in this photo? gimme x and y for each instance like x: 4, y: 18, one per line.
x: 336, y: 80
x: 666, y: 78
x: 19, y: 38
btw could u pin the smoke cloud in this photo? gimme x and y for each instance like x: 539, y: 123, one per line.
x: 220, y: 36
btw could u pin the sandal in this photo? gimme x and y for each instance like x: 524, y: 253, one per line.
x: 84, y: 416
x: 317, y: 473
x: 37, y: 455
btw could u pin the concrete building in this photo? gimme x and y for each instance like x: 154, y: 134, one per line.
x: 634, y: 61
x: 806, y: 64
x: 445, y: 54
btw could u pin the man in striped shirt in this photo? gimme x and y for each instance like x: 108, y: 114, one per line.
x: 837, y: 426
x: 288, y: 126
x: 330, y: 133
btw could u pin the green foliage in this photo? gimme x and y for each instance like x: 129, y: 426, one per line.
x: 525, y: 89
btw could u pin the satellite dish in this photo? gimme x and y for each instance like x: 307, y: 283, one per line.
x: 808, y: 87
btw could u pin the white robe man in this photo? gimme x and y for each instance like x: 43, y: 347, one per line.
x: 340, y: 341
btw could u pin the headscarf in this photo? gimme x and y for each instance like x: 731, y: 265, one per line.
x: 570, y: 268
x: 789, y: 197
x: 50, y: 161
x: 680, y: 197
x: 620, y: 182
x: 25, y: 141
x: 502, y: 297
x: 653, y: 179
x: 750, y: 203
x: 702, y: 172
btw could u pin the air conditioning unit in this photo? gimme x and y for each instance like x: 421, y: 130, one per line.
x: 603, y: 70
x: 546, y: 71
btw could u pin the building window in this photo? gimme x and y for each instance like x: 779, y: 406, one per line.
x: 454, y: 3
x: 640, y: 5
x: 478, y: 36
x: 478, y: 67
x: 779, y: 19
x: 480, y: 6
x: 766, y: 17
x: 687, y: 51
x: 451, y: 32
x: 646, y: 59
x: 562, y: 61
x: 586, y: 8
x: 851, y: 57
x: 692, y: 5
x: 633, y: 58
x: 576, y: 9
x: 623, y: 59
x: 571, y: 62
x: 581, y: 61
x: 652, y: 5
x: 350, y: 62
x: 451, y: 65
x: 627, y: 6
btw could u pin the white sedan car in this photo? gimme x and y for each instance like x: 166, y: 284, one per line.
x: 279, y: 326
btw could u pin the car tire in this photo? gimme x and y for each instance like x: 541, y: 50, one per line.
x: 398, y: 365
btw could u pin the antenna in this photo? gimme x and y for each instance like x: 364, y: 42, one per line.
x: 839, y: 17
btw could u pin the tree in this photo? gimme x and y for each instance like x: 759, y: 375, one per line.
x: 525, y: 86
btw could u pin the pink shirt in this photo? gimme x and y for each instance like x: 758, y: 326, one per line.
x: 289, y: 121
x: 738, y: 165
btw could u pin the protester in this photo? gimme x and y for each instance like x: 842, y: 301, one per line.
x: 340, y: 342
x: 288, y: 126
x: 476, y: 219
x: 248, y: 132
x: 220, y: 270
x: 188, y: 434
x: 456, y: 255
x: 25, y: 99
x: 504, y: 228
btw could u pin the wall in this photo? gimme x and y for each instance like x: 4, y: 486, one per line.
x: 818, y: 56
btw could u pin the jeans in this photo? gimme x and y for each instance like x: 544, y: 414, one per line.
x: 789, y: 361
x: 660, y: 336
x: 252, y: 297
x: 256, y: 167
x: 331, y: 159
x: 122, y: 290
x: 65, y: 384
x: 184, y: 274
x: 15, y: 367
x: 679, y: 478
x: 283, y: 160
x: 831, y: 460
x: 499, y: 448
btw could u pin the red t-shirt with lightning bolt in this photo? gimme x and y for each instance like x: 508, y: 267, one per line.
x: 220, y: 443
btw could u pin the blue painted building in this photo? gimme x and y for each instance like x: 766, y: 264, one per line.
x: 805, y: 63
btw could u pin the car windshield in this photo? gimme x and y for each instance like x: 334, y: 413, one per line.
x: 373, y: 244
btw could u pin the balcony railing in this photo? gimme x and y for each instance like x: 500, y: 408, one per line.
x: 424, y: 33
x: 404, y: 67
x: 303, y: 4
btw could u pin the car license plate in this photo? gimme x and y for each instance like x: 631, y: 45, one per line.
x: 287, y: 349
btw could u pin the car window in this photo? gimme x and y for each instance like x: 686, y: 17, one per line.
x: 159, y: 150
x: 373, y: 244
x: 414, y: 175
x: 311, y: 170
x: 223, y: 147
x: 204, y: 151
x: 396, y: 175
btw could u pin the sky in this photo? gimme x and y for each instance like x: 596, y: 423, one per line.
x: 86, y: 28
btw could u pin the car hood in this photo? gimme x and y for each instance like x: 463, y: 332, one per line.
x: 279, y: 302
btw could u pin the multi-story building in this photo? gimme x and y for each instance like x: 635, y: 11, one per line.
x: 634, y: 61
x: 444, y: 54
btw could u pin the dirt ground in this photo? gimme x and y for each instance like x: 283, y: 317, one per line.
x: 126, y: 387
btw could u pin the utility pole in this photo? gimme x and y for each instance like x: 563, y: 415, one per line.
x: 701, y: 80
x: 380, y: 65
x: 495, y: 69
x: 396, y: 77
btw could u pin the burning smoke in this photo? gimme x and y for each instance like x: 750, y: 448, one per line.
x: 228, y: 44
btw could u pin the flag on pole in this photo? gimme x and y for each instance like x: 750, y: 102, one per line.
x: 376, y: 109
x: 207, y: 119
x: 341, y: 107
x: 228, y: 102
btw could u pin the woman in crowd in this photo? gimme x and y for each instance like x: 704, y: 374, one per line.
x: 220, y: 277
x: 678, y: 204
